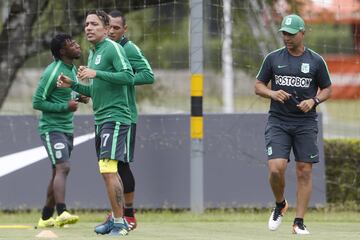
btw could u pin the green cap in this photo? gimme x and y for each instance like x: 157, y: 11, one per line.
x: 292, y: 24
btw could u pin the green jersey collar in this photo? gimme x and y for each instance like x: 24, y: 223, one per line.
x: 99, y: 44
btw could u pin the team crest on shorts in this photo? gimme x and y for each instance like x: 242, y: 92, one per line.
x: 269, y: 151
x: 58, y: 154
x: 97, y: 59
x: 305, y: 67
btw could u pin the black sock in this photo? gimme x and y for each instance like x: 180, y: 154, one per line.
x: 129, y: 212
x: 47, y: 213
x: 299, y: 220
x: 60, y: 208
x: 281, y: 204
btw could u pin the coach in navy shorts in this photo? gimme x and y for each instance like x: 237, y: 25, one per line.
x: 300, y: 81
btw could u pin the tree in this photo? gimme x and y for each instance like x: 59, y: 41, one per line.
x: 21, y: 37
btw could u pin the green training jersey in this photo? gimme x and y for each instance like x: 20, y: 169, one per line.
x: 108, y: 90
x: 53, y: 101
x: 142, y: 70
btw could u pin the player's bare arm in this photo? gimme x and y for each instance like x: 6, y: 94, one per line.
x: 324, y: 94
x: 308, y: 104
x: 262, y: 90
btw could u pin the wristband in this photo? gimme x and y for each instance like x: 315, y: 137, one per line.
x: 316, y: 100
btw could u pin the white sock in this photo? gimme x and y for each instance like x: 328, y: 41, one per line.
x: 118, y: 220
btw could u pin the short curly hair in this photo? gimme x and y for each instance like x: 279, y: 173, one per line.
x: 58, y: 42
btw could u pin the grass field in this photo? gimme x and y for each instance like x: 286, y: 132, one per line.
x: 217, y: 225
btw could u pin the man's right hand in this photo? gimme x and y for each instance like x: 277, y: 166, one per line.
x: 63, y: 81
x: 72, y: 105
x: 280, y: 95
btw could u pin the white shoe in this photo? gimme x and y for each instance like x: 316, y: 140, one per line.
x: 276, y: 217
x: 300, y: 228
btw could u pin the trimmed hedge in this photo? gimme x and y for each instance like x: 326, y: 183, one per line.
x: 342, y: 164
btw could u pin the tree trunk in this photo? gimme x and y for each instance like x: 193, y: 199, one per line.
x: 16, y: 40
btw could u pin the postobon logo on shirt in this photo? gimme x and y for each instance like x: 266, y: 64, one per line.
x: 97, y: 59
x: 305, y: 67
x: 292, y: 81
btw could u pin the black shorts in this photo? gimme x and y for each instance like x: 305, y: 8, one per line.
x: 302, y: 139
x: 130, y: 144
x: 110, y: 140
x: 58, y: 146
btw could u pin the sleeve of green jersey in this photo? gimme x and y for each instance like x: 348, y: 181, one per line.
x: 141, y: 66
x: 45, y: 88
x: 123, y: 73
x: 81, y: 88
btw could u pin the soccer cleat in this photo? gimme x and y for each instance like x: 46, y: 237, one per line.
x: 300, y: 228
x: 66, y: 218
x: 46, y: 223
x: 276, y: 217
x: 131, y: 221
x: 119, y: 229
x: 106, y: 226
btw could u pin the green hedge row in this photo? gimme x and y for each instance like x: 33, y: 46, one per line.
x: 342, y: 164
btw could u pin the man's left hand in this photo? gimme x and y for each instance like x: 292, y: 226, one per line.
x: 306, y: 105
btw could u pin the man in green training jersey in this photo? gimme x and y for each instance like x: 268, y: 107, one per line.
x: 56, y: 126
x: 109, y: 72
x: 143, y: 75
